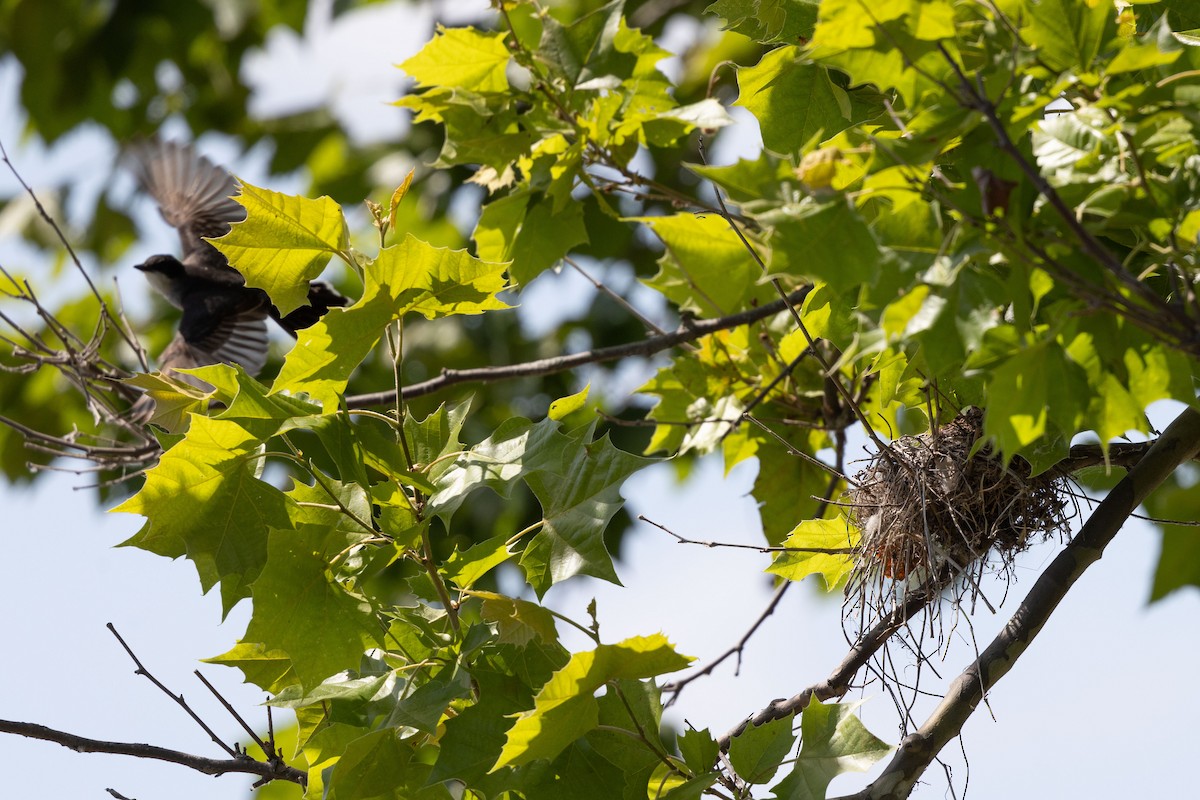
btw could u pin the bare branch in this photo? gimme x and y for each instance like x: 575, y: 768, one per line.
x: 233, y: 713
x: 839, y: 681
x: 758, y: 548
x: 687, y: 332
x: 240, y: 763
x: 178, y: 698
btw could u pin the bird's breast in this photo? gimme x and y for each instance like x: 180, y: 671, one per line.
x: 167, y: 287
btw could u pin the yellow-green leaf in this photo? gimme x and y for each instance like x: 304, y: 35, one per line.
x: 566, y: 709
x: 464, y: 58
x: 811, y: 537
x: 284, y: 242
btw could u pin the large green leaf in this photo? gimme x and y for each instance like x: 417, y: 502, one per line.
x: 577, y: 504
x: 707, y: 268
x: 834, y: 742
x: 816, y: 535
x: 757, y: 752
x: 204, y: 498
x: 464, y: 58
x: 528, y: 232
x: 792, y: 99
x: 828, y: 242
x: 284, y: 242
x: 301, y: 610
x: 565, y: 708
x: 1068, y: 34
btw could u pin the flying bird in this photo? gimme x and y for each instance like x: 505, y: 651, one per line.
x: 223, y: 320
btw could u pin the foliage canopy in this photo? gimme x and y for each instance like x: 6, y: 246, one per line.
x: 957, y: 205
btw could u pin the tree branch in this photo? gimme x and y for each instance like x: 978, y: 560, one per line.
x: 1178, y: 444
x: 687, y: 332
x: 838, y: 682
x: 271, y: 770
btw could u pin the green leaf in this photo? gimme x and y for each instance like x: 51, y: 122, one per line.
x: 565, y: 708
x: 792, y: 100
x: 204, y: 498
x: 1066, y: 33
x: 834, y: 742
x: 1135, y: 56
x: 380, y: 765
x: 587, y: 47
x: 284, y: 242
x: 518, y: 621
x: 424, y: 708
x: 768, y: 21
x: 577, y: 504
x: 464, y: 568
x: 830, y: 243
x: 779, y: 474
x: 436, y: 436
x: 757, y: 752
x: 818, y: 534
x: 896, y: 46
x: 270, y: 670
x: 1018, y: 398
x: 301, y: 610
x: 565, y: 406
x: 464, y: 58
x: 707, y: 269
x: 1179, y: 559
x: 745, y: 180
x: 526, y: 231
x: 515, y: 449
x: 475, y: 737
x: 410, y: 277
x: 699, y: 750
x: 174, y: 400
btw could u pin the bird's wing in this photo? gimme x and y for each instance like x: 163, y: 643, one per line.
x: 193, y: 195
x: 229, y: 327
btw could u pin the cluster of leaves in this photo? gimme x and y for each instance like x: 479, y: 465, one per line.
x: 401, y: 672
x: 955, y: 246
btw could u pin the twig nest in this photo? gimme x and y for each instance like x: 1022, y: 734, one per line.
x: 929, y: 512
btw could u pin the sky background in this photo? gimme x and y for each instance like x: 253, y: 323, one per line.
x: 1076, y: 717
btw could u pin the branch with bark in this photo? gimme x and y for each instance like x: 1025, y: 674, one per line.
x: 239, y: 764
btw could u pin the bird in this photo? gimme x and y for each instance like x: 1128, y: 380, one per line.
x: 223, y: 320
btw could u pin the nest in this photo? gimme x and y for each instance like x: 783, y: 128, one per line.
x: 930, y: 513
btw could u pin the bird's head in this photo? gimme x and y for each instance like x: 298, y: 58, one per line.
x: 167, y: 275
x: 167, y: 266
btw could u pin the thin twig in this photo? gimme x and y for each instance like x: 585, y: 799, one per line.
x: 178, y: 698
x: 838, y: 682
x: 758, y: 548
x: 233, y: 713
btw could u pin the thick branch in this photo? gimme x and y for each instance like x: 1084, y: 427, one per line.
x: 270, y: 770
x: 687, y: 332
x: 1178, y: 443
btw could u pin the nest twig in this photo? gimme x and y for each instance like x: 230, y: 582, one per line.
x: 932, y: 514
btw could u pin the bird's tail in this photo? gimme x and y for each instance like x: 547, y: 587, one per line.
x: 321, y: 298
